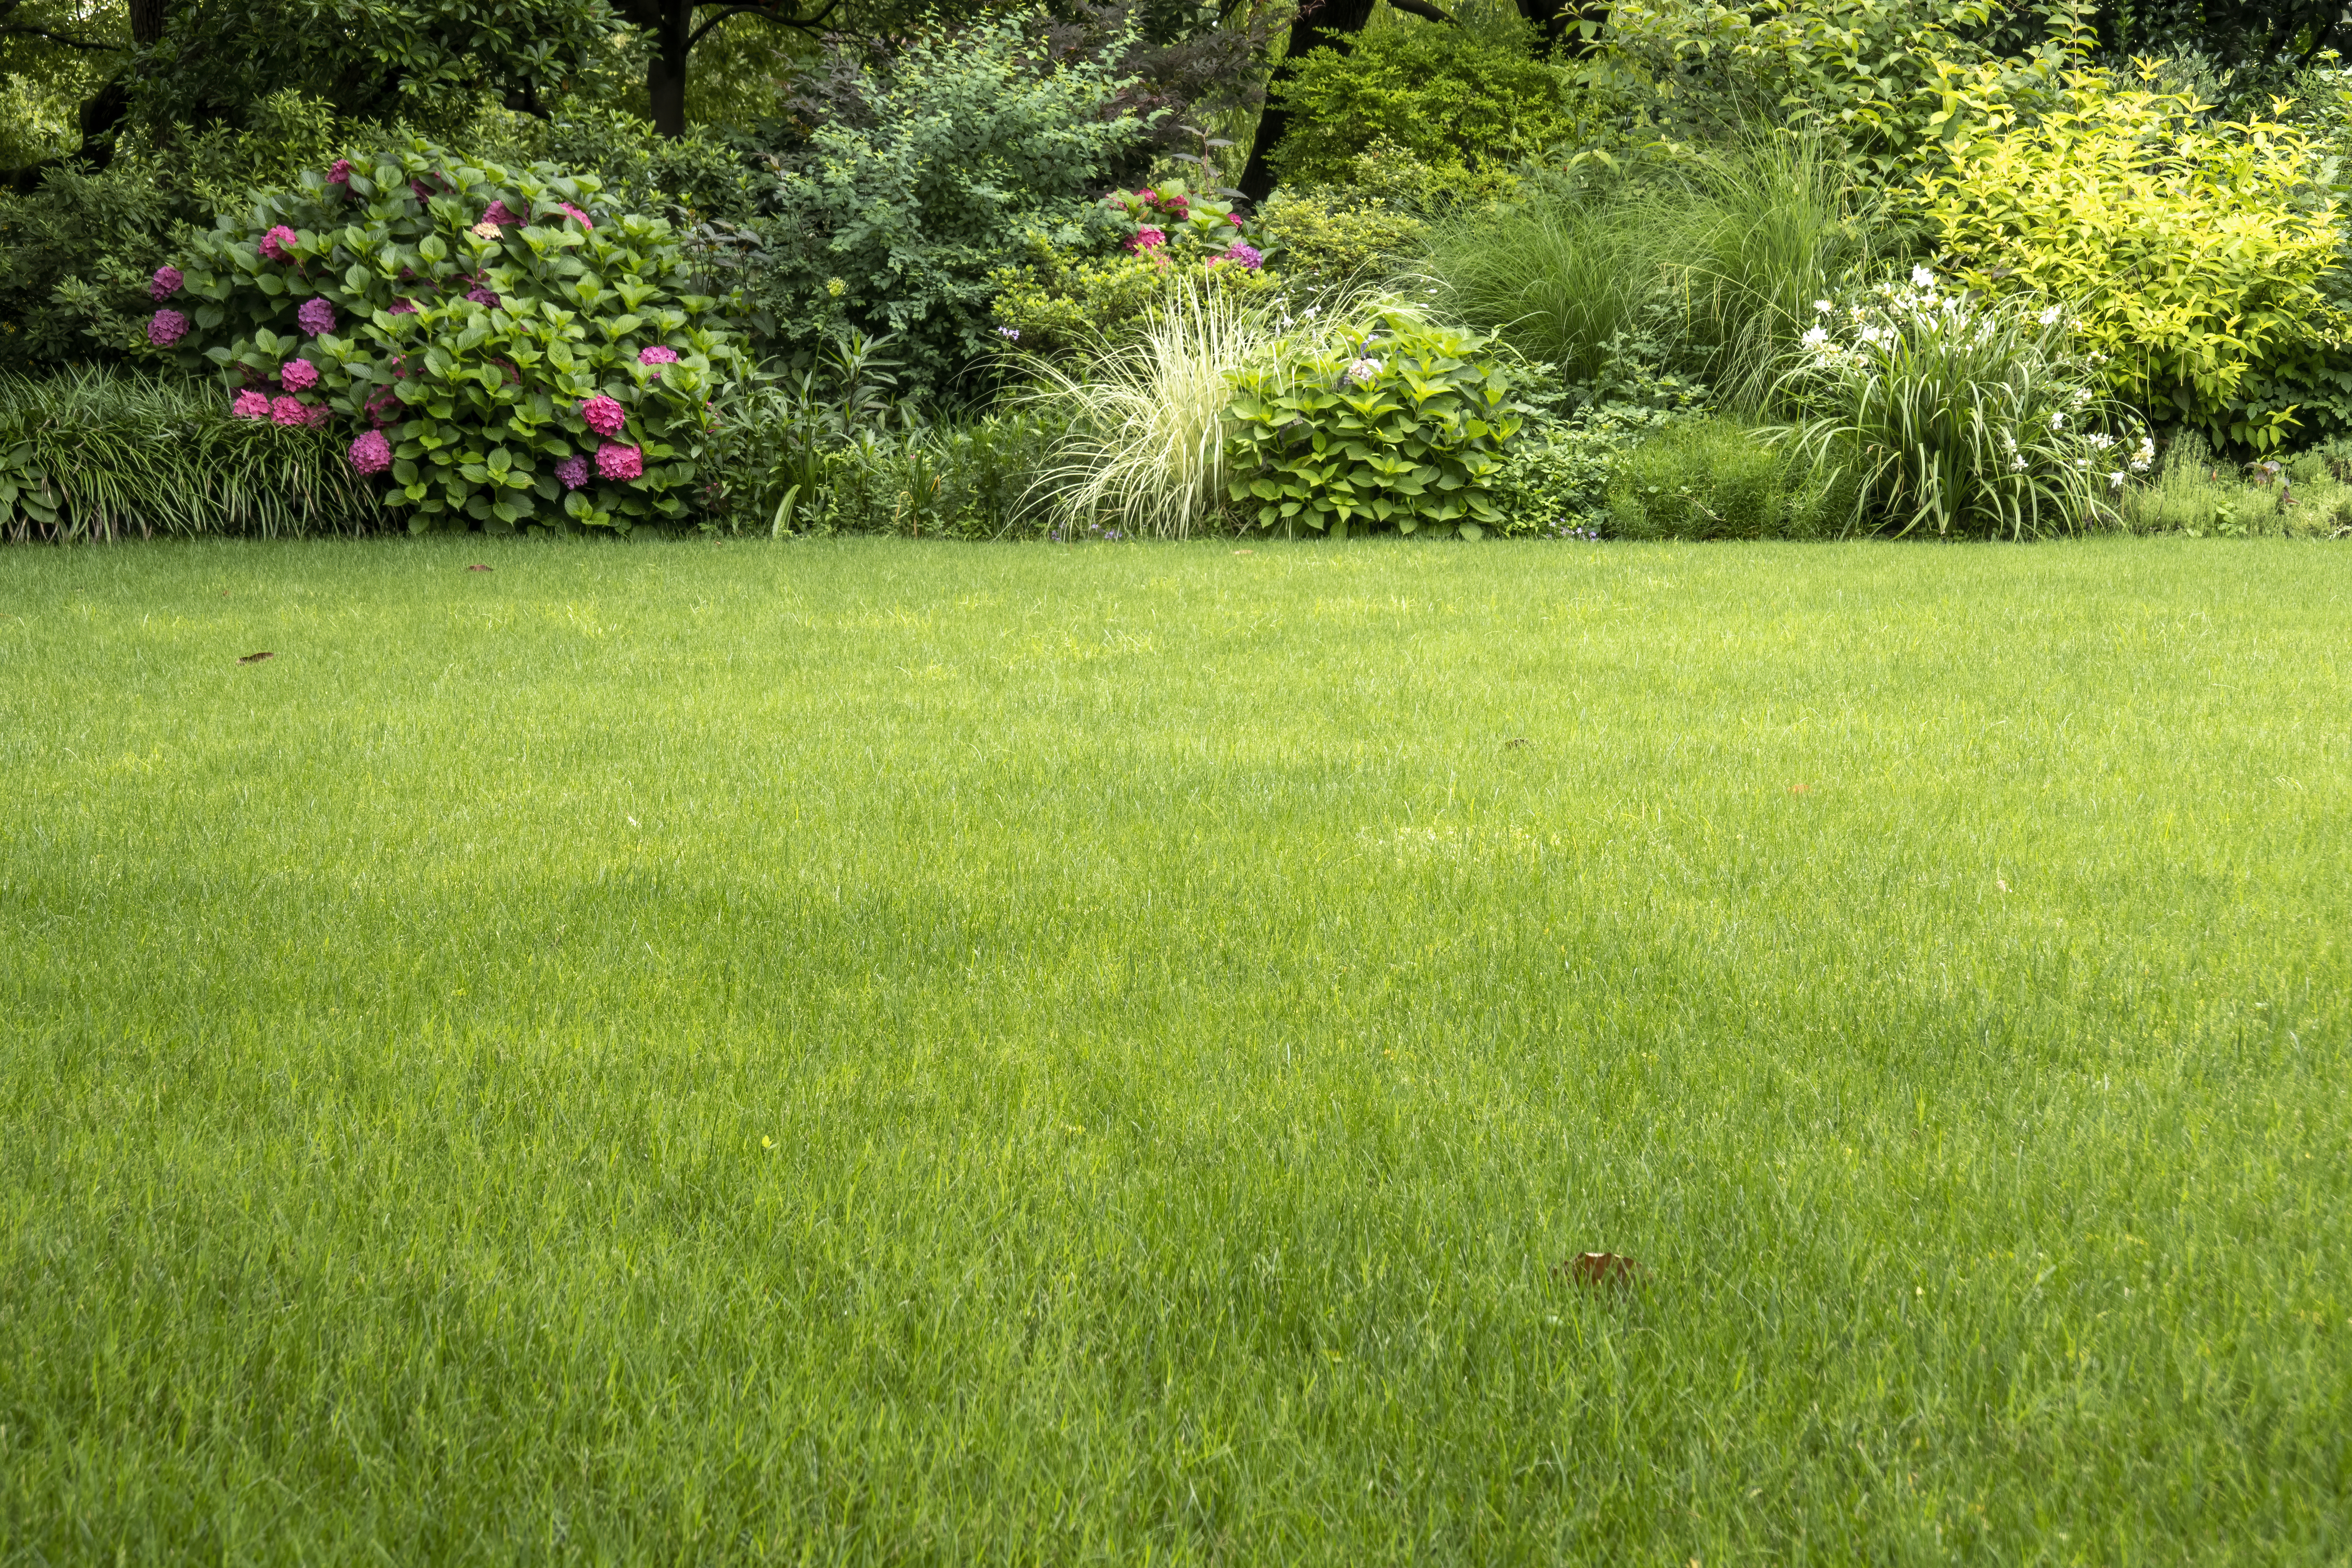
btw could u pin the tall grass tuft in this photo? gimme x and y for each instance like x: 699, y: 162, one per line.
x: 97, y: 454
x: 1718, y: 259
x: 1146, y: 449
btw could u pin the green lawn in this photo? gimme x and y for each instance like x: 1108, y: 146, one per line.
x: 872, y: 1052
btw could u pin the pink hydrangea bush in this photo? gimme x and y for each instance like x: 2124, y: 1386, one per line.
x: 380, y: 269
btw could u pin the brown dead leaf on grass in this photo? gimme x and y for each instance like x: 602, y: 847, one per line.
x: 1596, y: 1270
x: 257, y: 657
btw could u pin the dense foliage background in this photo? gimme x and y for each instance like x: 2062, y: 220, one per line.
x: 1094, y: 269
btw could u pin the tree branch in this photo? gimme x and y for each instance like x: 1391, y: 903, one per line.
x: 20, y: 30
x: 1421, y: 8
x: 768, y: 13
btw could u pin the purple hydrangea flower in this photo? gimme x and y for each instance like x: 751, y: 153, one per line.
x: 166, y: 283
x: 403, y: 308
x: 372, y: 453
x: 618, y: 462
x: 277, y: 244
x: 572, y: 472
x: 500, y: 214
x: 340, y: 174
x: 168, y: 327
x: 657, y: 354
x: 1249, y: 256
x: 482, y: 295
x: 604, y: 416
x: 249, y: 404
x: 298, y: 375
x: 316, y: 316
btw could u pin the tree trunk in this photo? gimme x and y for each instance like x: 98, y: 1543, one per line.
x: 147, y: 21
x: 1320, y: 23
x: 666, y: 69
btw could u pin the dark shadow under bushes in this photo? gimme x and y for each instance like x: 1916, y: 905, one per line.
x: 93, y: 454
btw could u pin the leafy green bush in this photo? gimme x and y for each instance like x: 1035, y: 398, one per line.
x: 2190, y: 250
x: 1397, y: 421
x: 1954, y: 414
x: 1447, y: 97
x: 97, y: 454
x: 895, y: 218
x: 2196, y: 494
x: 508, y: 352
x: 1712, y: 479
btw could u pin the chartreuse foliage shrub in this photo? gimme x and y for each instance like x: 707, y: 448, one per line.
x: 103, y: 454
x: 496, y: 349
x: 2189, y: 251
x: 1945, y: 412
x: 1444, y: 96
x: 1397, y: 422
x: 1327, y: 238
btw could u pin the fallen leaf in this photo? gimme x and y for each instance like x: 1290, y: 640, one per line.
x: 1515, y: 743
x: 1245, y: 552
x: 1800, y: 789
x: 257, y: 657
x: 477, y: 566
x: 2001, y: 885
x: 1598, y: 1269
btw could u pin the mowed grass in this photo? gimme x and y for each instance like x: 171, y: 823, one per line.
x: 881, y: 1053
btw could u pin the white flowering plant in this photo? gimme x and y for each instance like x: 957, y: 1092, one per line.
x: 1959, y: 415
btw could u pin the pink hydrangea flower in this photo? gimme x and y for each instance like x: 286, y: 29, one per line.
x: 316, y: 414
x: 572, y: 472
x: 1148, y: 196
x: 287, y: 411
x: 500, y: 214
x: 340, y: 174
x: 167, y: 328
x: 298, y: 375
x: 604, y: 416
x: 166, y: 283
x: 576, y: 212
x: 316, y: 316
x: 617, y: 462
x: 403, y: 308
x: 482, y: 295
x: 250, y: 405
x: 1146, y: 239
x: 657, y: 354
x: 372, y: 453
x: 276, y: 244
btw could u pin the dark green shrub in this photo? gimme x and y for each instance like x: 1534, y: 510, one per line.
x: 1397, y: 424
x: 942, y: 163
x: 75, y: 254
x: 1712, y: 479
x: 1443, y: 97
x: 503, y: 352
x: 97, y: 454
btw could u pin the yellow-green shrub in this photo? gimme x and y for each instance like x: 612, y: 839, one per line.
x: 2187, y: 251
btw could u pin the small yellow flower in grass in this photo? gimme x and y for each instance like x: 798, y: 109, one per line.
x: 766, y: 1142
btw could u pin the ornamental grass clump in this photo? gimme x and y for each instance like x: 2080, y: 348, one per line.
x: 1944, y: 413
x: 496, y: 334
x: 1146, y: 451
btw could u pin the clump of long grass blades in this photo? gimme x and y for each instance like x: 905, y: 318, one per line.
x: 1716, y: 258
x: 94, y: 455
x: 1146, y: 444
x: 1957, y: 415
x: 1758, y: 235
